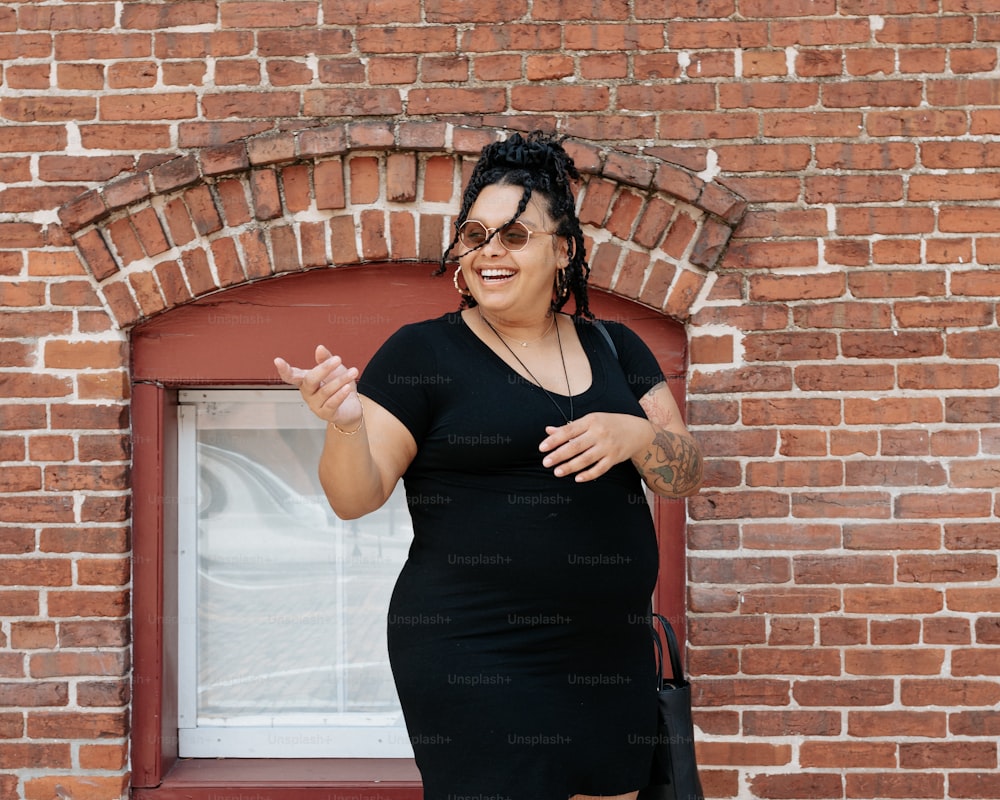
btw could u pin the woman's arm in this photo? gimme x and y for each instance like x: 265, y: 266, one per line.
x: 366, y: 449
x: 671, y: 465
x: 659, y: 445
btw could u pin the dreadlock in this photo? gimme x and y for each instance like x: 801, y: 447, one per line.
x: 536, y: 163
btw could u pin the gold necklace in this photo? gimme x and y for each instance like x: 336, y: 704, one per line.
x: 538, y: 383
x: 518, y: 341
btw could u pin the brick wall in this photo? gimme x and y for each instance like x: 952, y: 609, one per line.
x: 844, y: 596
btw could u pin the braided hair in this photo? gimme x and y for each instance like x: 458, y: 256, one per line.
x: 538, y: 164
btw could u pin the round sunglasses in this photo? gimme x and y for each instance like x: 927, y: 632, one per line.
x: 513, y: 236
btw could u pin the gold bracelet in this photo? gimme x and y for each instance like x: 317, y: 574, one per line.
x: 350, y: 433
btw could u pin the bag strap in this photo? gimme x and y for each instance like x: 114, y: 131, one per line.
x: 673, y: 650
x: 607, y: 336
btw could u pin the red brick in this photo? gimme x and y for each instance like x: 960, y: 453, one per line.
x: 885, y: 661
x: 975, y: 723
x: 75, y: 725
x: 33, y: 635
x: 296, y: 189
x: 974, y: 662
x: 342, y: 240
x: 841, y: 755
x: 947, y: 755
x: 264, y: 14
x: 892, y: 345
x: 840, y: 631
x: 439, y: 179
x: 910, y: 785
x: 34, y: 385
x: 28, y: 508
x: 981, y: 283
x: 288, y: 73
x: 420, y: 39
x: 374, y: 240
x: 18, y: 604
x: 901, y: 600
x: 37, y: 572
x: 916, y: 506
x: 390, y: 70
x: 256, y: 258
x: 982, y: 785
x: 94, y: 633
x: 65, y: 477
x: 103, y: 694
x: 791, y: 723
x: 365, y: 180
x: 201, y: 206
x: 35, y: 755
x: 110, y: 758
x: 222, y: 159
x: 897, y: 724
x: 401, y: 178
x: 196, y: 269
x: 896, y: 251
x: 358, y: 103
x: 90, y: 787
x: 357, y: 12
x: 789, y: 661
x: 153, y: 107
x: 122, y: 303
x: 285, y: 248
x: 850, y: 692
x: 93, y: 603
x: 227, y: 262
x: 179, y: 222
x: 403, y: 235
x: 972, y: 536
x: 735, y: 691
x: 233, y: 199
x: 329, y: 185
x: 948, y: 376
x: 60, y: 354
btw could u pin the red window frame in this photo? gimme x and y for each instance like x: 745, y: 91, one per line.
x: 229, y: 339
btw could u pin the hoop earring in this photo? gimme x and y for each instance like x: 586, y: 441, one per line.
x: 454, y: 279
x: 562, y: 286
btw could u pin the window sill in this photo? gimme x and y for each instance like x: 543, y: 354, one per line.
x: 288, y: 779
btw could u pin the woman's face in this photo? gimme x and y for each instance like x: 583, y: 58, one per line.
x: 513, y: 284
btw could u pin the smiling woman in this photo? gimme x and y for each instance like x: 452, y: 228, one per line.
x: 515, y: 677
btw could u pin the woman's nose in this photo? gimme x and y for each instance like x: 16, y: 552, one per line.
x: 493, y: 246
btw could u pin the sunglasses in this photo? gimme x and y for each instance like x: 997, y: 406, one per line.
x: 513, y: 236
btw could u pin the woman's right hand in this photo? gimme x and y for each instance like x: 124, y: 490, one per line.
x: 329, y: 389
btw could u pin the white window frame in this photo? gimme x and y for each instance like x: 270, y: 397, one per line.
x: 304, y: 735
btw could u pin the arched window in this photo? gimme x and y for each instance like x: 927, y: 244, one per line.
x: 212, y: 644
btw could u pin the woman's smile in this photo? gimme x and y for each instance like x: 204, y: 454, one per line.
x: 493, y: 275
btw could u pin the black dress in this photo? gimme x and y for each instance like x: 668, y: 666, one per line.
x: 518, y: 631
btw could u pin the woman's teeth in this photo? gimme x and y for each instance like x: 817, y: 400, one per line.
x: 495, y: 274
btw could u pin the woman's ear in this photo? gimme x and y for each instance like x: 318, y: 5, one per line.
x: 564, y: 253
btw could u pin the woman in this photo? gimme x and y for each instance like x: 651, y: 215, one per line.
x: 518, y: 628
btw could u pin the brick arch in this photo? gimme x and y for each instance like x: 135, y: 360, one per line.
x: 374, y: 192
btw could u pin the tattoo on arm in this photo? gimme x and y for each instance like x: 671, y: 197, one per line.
x: 673, y: 465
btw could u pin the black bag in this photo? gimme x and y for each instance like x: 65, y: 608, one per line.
x: 675, y: 771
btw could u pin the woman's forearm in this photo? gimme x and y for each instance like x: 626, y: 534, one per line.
x: 671, y: 466
x: 349, y: 475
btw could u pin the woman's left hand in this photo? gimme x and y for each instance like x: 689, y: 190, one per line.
x: 593, y: 444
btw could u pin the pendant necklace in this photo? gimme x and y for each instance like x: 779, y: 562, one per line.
x: 538, y: 383
x: 504, y: 336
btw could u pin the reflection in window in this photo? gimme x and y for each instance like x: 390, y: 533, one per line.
x: 283, y: 648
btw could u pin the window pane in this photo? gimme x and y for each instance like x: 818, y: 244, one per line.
x: 291, y: 601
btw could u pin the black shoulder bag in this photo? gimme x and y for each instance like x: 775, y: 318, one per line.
x: 675, y: 770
